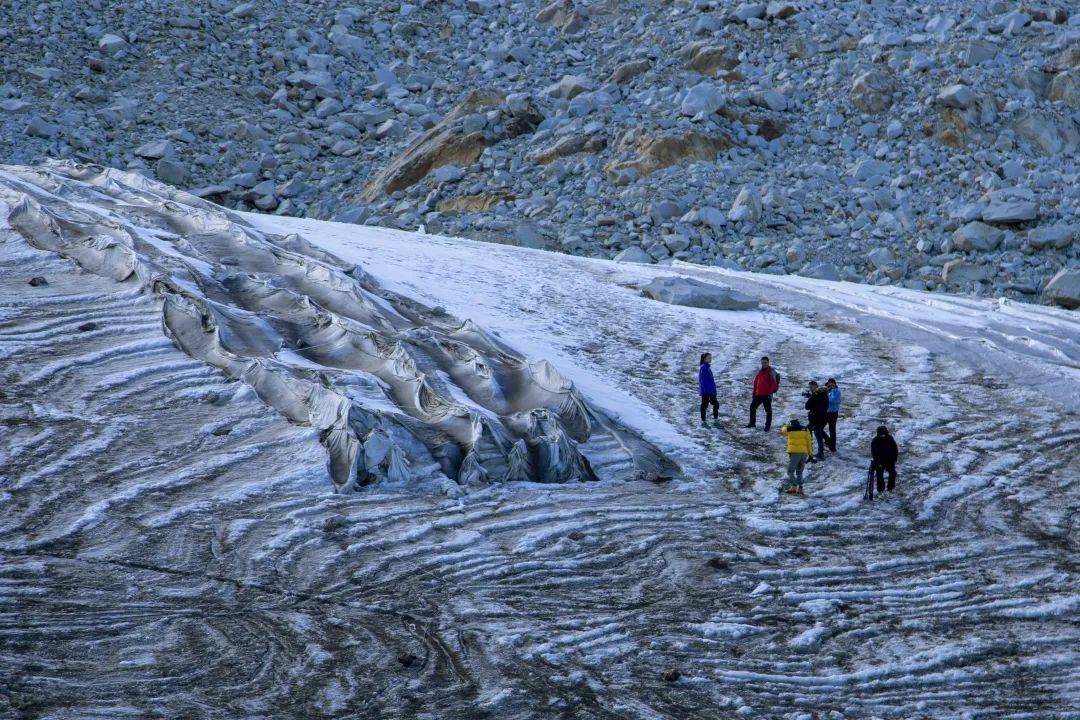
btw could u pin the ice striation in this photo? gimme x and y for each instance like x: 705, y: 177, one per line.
x: 401, y: 392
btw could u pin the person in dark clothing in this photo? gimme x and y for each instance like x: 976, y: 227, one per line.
x: 707, y: 388
x: 834, y: 410
x: 766, y: 383
x: 817, y: 413
x: 884, y: 452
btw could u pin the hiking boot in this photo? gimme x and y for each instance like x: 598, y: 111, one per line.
x: 767, y: 428
x: 705, y: 423
x: 792, y: 491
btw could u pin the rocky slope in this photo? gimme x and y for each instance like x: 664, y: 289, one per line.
x: 932, y: 145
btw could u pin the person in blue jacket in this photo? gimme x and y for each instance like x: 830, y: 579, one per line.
x: 834, y: 411
x: 707, y: 389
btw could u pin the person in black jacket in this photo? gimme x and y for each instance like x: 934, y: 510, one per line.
x: 884, y: 452
x: 817, y: 413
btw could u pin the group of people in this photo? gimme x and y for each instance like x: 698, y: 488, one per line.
x: 822, y: 412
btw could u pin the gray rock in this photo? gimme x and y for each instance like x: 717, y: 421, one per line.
x: 1064, y: 289
x: 155, y: 149
x: 956, y: 96
x: 633, y: 254
x: 978, y: 52
x: 770, y: 99
x: 746, y: 11
x: 448, y: 173
x: 781, y: 10
x: 881, y: 258
x: 746, y: 207
x: 1007, y: 212
x: 243, y: 10
x: 15, y: 106
x: 1058, y: 236
x: 695, y: 293
x: 872, y: 91
x: 977, y: 236
x: 41, y: 128
x: 170, y: 171
x: 962, y: 272
x: 703, y: 99
x: 111, y: 44
x: 569, y: 87
x: 713, y: 217
x: 327, y: 107
x: 821, y: 271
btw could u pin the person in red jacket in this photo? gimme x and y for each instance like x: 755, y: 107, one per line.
x: 766, y: 383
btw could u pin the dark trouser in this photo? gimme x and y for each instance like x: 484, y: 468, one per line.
x: 879, y: 472
x: 832, y: 430
x: 766, y: 402
x: 707, y: 400
x: 819, y: 433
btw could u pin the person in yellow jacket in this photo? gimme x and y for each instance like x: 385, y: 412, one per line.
x: 800, y: 445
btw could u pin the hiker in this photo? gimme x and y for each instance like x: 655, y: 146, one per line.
x: 799, y: 448
x: 834, y: 410
x: 817, y: 414
x: 884, y: 452
x: 707, y: 389
x: 766, y: 382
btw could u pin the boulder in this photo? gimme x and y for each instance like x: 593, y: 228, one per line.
x: 1051, y: 135
x: 695, y: 293
x: 1064, y: 289
x: 703, y: 99
x: 881, y: 258
x: 747, y: 206
x: 781, y: 10
x: 170, y: 172
x: 957, y: 96
x: 111, y: 44
x: 977, y: 236
x: 629, y: 70
x: 821, y: 271
x: 155, y: 149
x: 563, y: 15
x: 449, y: 142
x: 1065, y: 88
x: 872, y: 91
x: 1008, y: 212
x: 569, y: 87
x: 1057, y: 236
x: 655, y: 153
x: 962, y: 272
x: 747, y: 11
x: 769, y: 99
x: 978, y: 51
x: 472, y: 203
x: 566, y: 146
x: 711, y: 59
x: 37, y: 127
x: 633, y: 254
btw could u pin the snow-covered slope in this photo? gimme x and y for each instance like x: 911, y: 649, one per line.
x: 171, y: 541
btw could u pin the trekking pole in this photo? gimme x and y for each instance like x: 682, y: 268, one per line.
x: 868, y: 494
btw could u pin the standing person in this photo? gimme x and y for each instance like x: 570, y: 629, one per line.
x: 885, y: 453
x: 766, y: 383
x: 817, y: 414
x: 834, y: 410
x: 799, y: 448
x: 707, y: 389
